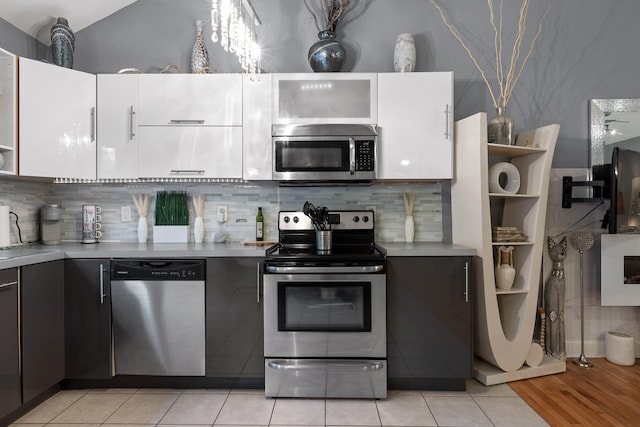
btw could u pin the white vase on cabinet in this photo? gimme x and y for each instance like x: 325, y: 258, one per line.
x: 404, y: 53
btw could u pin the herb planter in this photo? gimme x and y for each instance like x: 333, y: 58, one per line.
x: 170, y: 234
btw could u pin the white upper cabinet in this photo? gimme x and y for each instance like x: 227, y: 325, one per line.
x: 325, y: 98
x: 8, y: 112
x: 415, y: 119
x: 57, y: 121
x: 117, y: 126
x: 190, y: 152
x: 256, y: 127
x: 190, y: 99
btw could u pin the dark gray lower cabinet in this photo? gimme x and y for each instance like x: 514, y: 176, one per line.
x: 235, y: 345
x: 88, y: 318
x: 429, y: 322
x: 9, y: 343
x: 42, y: 327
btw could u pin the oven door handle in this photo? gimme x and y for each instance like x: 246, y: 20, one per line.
x: 345, y: 269
x: 334, y: 365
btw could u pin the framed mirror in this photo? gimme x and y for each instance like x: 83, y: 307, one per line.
x: 613, y: 123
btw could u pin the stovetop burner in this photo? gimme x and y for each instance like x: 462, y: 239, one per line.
x: 353, y: 240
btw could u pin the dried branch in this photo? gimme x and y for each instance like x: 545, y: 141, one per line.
x: 508, y: 78
x: 330, y: 10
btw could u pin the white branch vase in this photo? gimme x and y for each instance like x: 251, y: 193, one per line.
x: 198, y: 230
x: 409, y: 228
x: 143, y: 229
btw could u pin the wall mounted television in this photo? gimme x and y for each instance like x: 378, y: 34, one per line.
x: 625, y: 191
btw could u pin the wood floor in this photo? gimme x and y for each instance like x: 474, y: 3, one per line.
x: 605, y: 395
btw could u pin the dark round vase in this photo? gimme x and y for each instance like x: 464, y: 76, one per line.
x: 327, y: 54
x: 62, y: 43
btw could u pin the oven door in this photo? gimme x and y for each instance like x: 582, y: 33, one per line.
x: 325, y: 315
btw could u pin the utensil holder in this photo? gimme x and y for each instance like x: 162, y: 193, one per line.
x: 324, y: 241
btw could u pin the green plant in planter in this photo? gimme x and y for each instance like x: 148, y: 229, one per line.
x: 172, y: 208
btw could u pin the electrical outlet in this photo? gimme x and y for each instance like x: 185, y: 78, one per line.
x: 125, y: 213
x: 223, y: 214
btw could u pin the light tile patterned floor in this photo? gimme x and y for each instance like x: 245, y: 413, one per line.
x: 478, y: 406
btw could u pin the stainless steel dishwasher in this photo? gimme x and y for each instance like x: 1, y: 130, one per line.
x: 158, y: 317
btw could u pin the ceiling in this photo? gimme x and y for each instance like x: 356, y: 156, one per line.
x: 35, y: 17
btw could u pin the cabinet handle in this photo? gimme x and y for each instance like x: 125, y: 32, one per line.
x: 6, y: 285
x: 102, y: 294
x: 258, y: 283
x: 447, y: 134
x: 466, y: 281
x: 131, y: 114
x: 93, y: 124
x: 187, y: 122
x: 187, y: 172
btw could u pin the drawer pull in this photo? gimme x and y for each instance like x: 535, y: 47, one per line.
x: 187, y: 171
x: 187, y: 122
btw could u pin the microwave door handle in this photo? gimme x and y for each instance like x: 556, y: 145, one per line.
x: 352, y: 156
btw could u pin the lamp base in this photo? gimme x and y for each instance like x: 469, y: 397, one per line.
x: 582, y: 361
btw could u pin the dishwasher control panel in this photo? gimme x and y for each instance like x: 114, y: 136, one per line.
x: 157, y: 269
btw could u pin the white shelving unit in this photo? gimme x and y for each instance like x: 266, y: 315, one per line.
x: 504, y: 319
x: 8, y: 112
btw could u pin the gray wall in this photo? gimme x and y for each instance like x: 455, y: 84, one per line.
x: 19, y: 43
x: 588, y: 50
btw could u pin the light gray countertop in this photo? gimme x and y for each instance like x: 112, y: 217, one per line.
x: 33, y: 254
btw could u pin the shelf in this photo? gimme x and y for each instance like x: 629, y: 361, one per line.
x: 513, y: 196
x: 504, y: 319
x: 512, y: 291
x: 527, y: 243
x: 513, y: 150
x: 6, y: 148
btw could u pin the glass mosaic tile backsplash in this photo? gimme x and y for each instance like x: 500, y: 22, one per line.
x: 242, y: 200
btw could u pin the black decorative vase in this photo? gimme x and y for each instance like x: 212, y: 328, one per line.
x: 327, y: 54
x: 62, y: 43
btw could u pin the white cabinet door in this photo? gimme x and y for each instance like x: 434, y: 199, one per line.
x: 325, y: 98
x: 256, y: 127
x: 204, y: 99
x: 190, y: 151
x: 415, y: 119
x: 56, y: 121
x: 117, y: 126
x: 8, y: 112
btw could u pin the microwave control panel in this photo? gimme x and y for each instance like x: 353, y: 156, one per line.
x: 365, y: 157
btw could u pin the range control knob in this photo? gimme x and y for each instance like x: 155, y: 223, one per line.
x: 365, y: 219
x: 356, y: 218
x: 296, y: 219
x: 287, y: 219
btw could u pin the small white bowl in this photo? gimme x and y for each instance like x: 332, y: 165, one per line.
x: 504, y: 178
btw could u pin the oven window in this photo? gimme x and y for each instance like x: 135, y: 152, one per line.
x: 302, y: 156
x: 324, y: 307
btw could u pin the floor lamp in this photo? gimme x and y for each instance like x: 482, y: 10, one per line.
x: 582, y: 240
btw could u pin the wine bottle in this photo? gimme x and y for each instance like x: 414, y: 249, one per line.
x: 259, y: 226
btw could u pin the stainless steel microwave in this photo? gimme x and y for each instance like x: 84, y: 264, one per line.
x: 316, y: 153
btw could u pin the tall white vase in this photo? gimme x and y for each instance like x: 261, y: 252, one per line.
x: 404, y: 53
x: 198, y: 230
x: 143, y: 229
x: 409, y: 228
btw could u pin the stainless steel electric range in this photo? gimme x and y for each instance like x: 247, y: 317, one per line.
x: 325, y: 310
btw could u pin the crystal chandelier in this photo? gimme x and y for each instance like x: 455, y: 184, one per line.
x: 233, y: 25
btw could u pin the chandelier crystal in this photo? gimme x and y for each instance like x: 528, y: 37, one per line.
x: 233, y: 25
